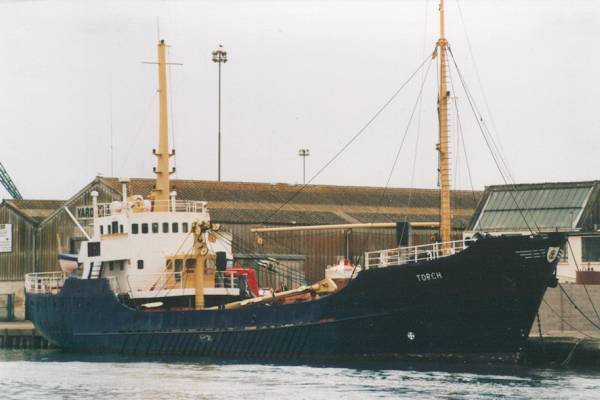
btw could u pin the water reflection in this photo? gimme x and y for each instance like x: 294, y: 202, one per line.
x: 49, y: 374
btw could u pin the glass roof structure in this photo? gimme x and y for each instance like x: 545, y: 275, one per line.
x: 546, y: 207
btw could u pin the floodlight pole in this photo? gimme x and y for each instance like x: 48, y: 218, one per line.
x: 219, y: 56
x: 304, y: 153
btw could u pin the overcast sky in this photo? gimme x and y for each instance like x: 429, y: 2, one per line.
x: 300, y: 75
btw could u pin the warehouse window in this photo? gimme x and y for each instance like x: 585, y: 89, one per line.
x: 134, y: 228
x: 144, y: 228
x: 165, y: 227
x: 175, y: 227
x: 590, y: 248
x: 155, y: 227
x: 185, y: 227
x: 564, y: 255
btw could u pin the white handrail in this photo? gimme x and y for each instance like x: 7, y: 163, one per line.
x: 45, y: 282
x: 188, y: 206
x: 413, y: 254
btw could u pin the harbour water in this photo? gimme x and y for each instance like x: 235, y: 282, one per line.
x: 52, y: 374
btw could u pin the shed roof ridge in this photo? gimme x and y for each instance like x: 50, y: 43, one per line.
x: 289, y: 186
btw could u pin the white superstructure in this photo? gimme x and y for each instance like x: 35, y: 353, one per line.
x: 136, y: 246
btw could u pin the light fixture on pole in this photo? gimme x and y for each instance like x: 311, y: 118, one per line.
x: 219, y: 56
x: 304, y: 153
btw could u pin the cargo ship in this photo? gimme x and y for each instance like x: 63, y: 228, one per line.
x: 156, y: 277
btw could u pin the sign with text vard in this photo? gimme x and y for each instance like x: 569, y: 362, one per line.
x: 84, y: 212
x: 5, y: 238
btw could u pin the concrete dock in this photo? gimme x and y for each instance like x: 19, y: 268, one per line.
x: 563, y: 349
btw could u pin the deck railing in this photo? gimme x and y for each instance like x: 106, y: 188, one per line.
x: 45, y: 282
x: 188, y: 206
x: 413, y: 254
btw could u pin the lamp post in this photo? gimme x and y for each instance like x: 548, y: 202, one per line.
x: 219, y: 56
x: 304, y: 153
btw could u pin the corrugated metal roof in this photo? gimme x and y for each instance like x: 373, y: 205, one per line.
x: 37, y: 210
x: 547, y: 206
x: 245, y: 202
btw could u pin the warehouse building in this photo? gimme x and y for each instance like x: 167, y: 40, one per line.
x: 241, y: 206
x: 19, y: 249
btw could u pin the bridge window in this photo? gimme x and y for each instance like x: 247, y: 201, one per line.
x: 134, y: 229
x: 165, y: 227
x: 190, y: 264
x: 178, y: 264
x: 185, y: 227
x: 93, y: 249
x: 140, y: 264
x: 175, y: 227
x: 155, y: 227
x: 144, y: 228
x: 178, y: 268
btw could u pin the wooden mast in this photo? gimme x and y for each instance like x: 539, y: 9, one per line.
x: 442, y: 147
x: 160, y: 193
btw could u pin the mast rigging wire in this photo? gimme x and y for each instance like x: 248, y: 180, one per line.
x: 461, y: 137
x: 412, y: 114
x: 139, y: 129
x: 420, y: 103
x: 485, y: 100
x: 479, y: 119
x: 349, y: 142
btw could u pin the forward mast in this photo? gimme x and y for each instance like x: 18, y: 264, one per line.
x: 442, y: 147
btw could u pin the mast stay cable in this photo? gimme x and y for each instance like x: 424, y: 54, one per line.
x: 461, y: 137
x: 349, y: 142
x: 479, y: 119
x: 497, y: 143
x: 410, y: 119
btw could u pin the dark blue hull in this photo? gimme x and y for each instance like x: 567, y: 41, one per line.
x: 482, y: 300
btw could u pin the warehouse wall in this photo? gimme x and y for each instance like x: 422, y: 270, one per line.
x: 557, y: 313
x: 14, y: 265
